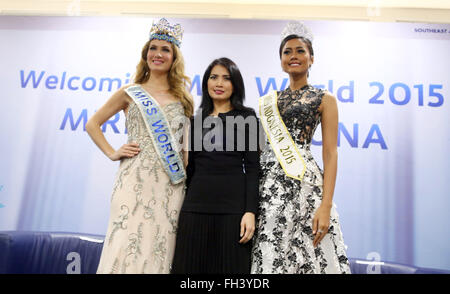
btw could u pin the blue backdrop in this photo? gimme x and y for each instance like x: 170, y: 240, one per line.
x: 391, y: 81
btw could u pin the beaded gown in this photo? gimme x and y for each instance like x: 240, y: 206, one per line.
x: 144, y: 206
x: 283, y: 243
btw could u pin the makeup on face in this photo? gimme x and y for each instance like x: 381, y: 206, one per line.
x: 219, y: 83
x: 160, y: 55
x: 295, y: 57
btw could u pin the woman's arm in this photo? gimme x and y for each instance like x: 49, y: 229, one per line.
x: 251, y: 163
x: 118, y: 101
x: 252, y: 166
x: 329, y: 122
x: 190, y: 164
x: 252, y: 172
x: 185, y: 141
x: 329, y: 147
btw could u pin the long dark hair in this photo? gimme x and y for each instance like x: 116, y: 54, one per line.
x: 238, y: 96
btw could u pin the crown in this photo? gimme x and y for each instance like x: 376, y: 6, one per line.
x: 297, y: 28
x: 164, y: 31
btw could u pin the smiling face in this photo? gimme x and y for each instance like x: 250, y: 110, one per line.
x: 160, y: 55
x: 219, y: 83
x: 295, y: 57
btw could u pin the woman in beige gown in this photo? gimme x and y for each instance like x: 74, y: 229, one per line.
x: 145, y: 203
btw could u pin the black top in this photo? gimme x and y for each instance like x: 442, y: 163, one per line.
x: 223, y: 176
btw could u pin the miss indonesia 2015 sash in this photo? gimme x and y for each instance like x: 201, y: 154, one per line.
x: 280, y: 140
x: 160, y: 132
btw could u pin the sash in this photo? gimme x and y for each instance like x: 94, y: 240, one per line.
x: 283, y: 146
x: 160, y: 132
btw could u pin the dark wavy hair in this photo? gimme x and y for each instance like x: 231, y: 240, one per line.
x: 237, y: 97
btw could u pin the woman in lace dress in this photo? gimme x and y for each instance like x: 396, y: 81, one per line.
x: 298, y: 227
x: 145, y: 202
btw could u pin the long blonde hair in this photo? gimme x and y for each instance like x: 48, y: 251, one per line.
x: 178, y: 81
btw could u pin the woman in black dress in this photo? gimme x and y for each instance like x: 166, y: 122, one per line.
x: 217, y: 219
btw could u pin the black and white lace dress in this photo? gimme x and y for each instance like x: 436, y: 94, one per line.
x: 283, y: 243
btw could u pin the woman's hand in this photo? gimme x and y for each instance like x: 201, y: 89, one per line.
x: 127, y: 150
x: 321, y: 222
x: 247, y: 227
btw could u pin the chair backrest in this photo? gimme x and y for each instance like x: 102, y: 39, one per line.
x: 23, y: 252
x: 361, y: 266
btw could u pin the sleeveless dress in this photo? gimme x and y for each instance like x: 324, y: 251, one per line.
x: 144, y: 206
x: 283, y: 243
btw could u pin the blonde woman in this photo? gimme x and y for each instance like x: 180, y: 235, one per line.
x: 149, y: 186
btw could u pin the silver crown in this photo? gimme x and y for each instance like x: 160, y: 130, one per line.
x: 164, y: 31
x: 297, y: 28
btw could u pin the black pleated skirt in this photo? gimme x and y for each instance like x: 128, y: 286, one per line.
x: 209, y: 244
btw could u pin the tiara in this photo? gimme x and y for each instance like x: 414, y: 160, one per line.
x: 164, y: 31
x: 297, y: 28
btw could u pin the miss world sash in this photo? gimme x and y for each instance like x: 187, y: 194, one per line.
x: 160, y: 132
x: 280, y: 140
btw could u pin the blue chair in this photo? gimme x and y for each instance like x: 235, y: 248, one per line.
x: 23, y: 252
x: 361, y: 266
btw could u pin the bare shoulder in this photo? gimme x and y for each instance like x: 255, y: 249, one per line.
x: 122, y: 95
x: 328, y: 98
x: 328, y: 101
x: 124, y: 87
